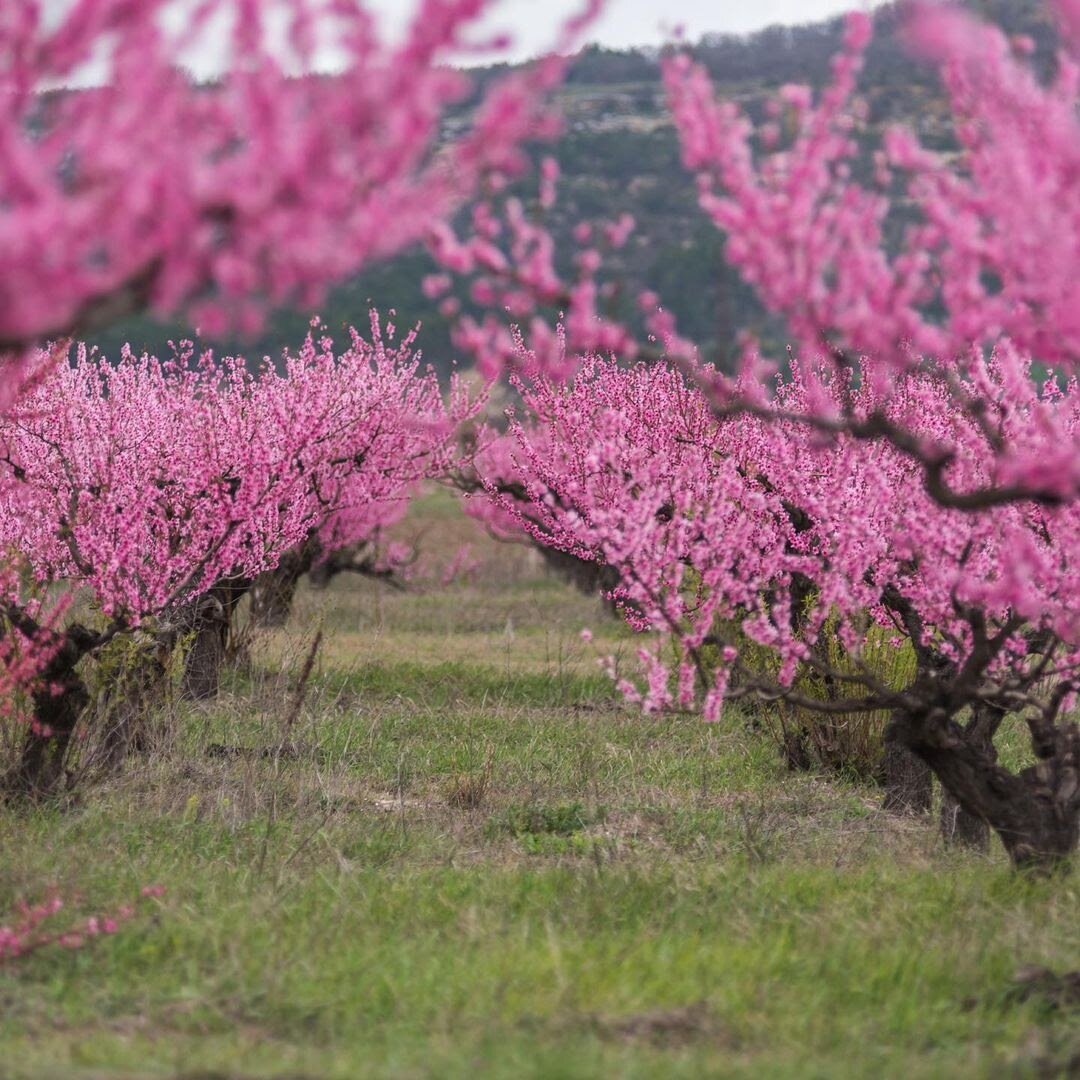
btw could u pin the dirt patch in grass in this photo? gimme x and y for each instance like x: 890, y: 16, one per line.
x: 666, y: 1029
x: 1046, y: 988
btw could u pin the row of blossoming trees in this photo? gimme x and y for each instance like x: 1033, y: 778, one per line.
x: 913, y: 469
x: 911, y: 472
x: 159, y: 488
x: 161, y: 491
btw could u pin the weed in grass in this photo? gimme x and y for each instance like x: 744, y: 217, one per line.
x: 531, y: 819
x: 468, y: 790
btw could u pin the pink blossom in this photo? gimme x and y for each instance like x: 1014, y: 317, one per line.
x: 269, y: 183
x: 28, y: 932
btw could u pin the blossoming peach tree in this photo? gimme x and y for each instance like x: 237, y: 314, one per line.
x: 915, y: 466
x: 391, y: 429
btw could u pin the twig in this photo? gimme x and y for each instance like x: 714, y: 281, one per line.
x: 286, y: 729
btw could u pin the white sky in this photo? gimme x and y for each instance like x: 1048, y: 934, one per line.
x: 533, y: 24
x: 640, y: 22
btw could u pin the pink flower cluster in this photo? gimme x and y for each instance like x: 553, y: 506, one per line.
x: 125, y: 182
x: 991, y: 239
x: 509, y: 260
x: 149, y: 481
x: 26, y: 933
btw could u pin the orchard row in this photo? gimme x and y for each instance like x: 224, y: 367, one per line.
x: 910, y: 469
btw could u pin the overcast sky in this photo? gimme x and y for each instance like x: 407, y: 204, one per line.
x: 533, y: 24
x: 641, y: 22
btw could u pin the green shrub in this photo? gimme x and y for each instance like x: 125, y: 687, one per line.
x: 849, y: 744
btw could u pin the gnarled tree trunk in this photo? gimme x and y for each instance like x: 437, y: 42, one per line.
x: 958, y: 825
x: 57, y: 709
x: 1035, y: 813
x: 273, y: 591
x: 908, y: 782
x: 201, y: 679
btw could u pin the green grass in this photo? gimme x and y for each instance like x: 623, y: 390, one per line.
x: 619, y: 895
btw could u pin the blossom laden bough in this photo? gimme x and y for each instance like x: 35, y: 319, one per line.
x: 735, y: 538
x: 127, y: 183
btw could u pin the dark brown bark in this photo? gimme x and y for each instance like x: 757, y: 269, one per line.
x: 58, y: 704
x: 794, y: 751
x: 1035, y: 813
x: 324, y: 569
x: 273, y: 591
x: 359, y: 559
x: 41, y: 769
x: 201, y: 679
x: 960, y: 826
x: 908, y: 783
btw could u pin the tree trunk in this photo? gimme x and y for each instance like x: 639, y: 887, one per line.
x: 206, y: 621
x: 960, y: 826
x: 908, y: 783
x: 321, y: 574
x: 794, y: 751
x: 1035, y: 813
x: 206, y: 653
x: 273, y: 591
x: 353, y: 558
x: 58, y: 704
x: 1038, y: 832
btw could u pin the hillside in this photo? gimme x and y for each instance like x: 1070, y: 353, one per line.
x: 619, y: 153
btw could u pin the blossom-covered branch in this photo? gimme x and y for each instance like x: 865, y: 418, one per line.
x: 127, y: 183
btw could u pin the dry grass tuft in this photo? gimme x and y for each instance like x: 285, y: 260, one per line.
x: 469, y: 790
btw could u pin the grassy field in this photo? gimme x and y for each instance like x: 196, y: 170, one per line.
x: 468, y: 860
